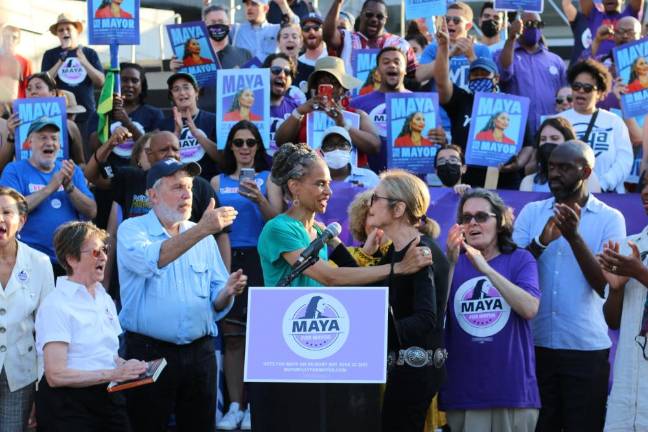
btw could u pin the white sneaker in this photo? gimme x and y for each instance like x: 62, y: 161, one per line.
x: 246, y: 423
x: 232, y: 419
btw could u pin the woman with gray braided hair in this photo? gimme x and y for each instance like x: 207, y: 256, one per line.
x: 305, y: 180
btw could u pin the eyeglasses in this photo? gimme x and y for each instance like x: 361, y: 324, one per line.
x: 276, y: 70
x: 250, y: 142
x: 560, y: 100
x: 534, y: 24
x: 96, y: 253
x: 454, y: 19
x: 452, y: 160
x: 480, y: 217
x: 309, y: 27
x: 587, y: 88
x: 375, y: 197
x: 379, y: 17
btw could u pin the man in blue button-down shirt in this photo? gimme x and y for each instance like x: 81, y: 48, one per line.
x: 174, y: 287
x: 570, y: 333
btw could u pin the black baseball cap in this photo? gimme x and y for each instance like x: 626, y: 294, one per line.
x: 168, y: 167
x: 176, y: 76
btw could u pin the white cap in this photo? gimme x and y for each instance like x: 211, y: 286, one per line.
x: 338, y: 131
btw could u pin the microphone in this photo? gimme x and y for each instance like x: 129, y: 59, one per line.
x: 333, y: 230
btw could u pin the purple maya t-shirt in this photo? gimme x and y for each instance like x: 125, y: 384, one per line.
x: 491, y: 358
x: 279, y: 113
x: 596, y: 19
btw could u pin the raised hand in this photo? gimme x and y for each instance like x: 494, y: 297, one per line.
x: 415, y: 258
x: 372, y: 244
x: 250, y: 190
x: 515, y: 29
x: 118, y: 111
x: 442, y: 35
x: 566, y: 219
x: 214, y: 219
x: 550, y: 232
x: 236, y: 283
x: 177, y: 121
x: 12, y: 123
x: 618, y: 268
x: 453, y: 242
x: 119, y: 135
x: 476, y: 258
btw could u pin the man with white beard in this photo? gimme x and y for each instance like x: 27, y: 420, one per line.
x: 174, y: 287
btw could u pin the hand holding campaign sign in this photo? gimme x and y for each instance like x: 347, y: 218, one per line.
x: 363, y: 62
x: 190, y: 43
x: 410, y: 116
x: 243, y: 94
x: 311, y: 335
x: 496, y: 129
x: 520, y: 5
x: 32, y: 109
x: 631, y: 61
x: 113, y: 22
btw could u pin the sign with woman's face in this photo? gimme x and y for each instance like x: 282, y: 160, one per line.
x: 113, y: 21
x: 631, y: 61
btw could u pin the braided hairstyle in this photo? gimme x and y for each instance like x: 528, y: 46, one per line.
x: 291, y: 162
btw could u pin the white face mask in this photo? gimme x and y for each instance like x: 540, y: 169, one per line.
x: 337, y: 159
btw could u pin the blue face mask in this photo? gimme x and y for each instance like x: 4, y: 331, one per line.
x: 485, y: 85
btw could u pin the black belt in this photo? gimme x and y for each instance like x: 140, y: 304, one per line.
x: 417, y: 357
x: 138, y: 337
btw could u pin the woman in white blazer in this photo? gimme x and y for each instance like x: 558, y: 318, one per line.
x: 26, y: 277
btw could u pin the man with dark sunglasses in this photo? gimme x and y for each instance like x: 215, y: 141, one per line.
x: 282, y: 70
x: 528, y: 68
x: 625, y: 267
x: 314, y: 45
x: 371, y: 34
x: 571, y: 337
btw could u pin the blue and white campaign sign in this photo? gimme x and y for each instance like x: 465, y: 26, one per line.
x: 363, y: 62
x: 520, y: 5
x: 316, y: 335
x: 32, y: 109
x: 190, y: 43
x: 318, y: 121
x: 497, y: 128
x: 425, y: 8
x: 410, y: 116
x: 114, y: 21
x: 631, y: 62
x: 242, y: 94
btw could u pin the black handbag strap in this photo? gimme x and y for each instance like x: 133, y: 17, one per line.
x: 590, y: 126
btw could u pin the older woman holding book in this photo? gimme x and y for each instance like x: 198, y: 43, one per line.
x: 76, y: 335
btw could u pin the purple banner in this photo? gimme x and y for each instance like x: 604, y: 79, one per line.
x: 310, y: 335
x: 444, y: 204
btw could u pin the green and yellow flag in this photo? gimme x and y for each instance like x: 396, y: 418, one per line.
x: 105, y: 105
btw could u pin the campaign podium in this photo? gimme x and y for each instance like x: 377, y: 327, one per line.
x: 315, y: 357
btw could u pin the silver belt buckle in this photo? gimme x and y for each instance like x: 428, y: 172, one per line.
x: 439, y: 357
x: 416, y: 357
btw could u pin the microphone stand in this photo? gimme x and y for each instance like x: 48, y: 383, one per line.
x: 296, y: 271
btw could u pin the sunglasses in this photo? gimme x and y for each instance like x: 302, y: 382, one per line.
x: 480, y: 217
x: 379, y: 17
x: 96, y: 253
x: 276, y: 70
x: 454, y: 19
x: 250, y: 142
x: 587, y: 88
x: 534, y: 24
x: 309, y: 27
x: 375, y: 197
x: 560, y: 100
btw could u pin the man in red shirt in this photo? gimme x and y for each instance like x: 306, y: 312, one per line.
x: 11, y: 63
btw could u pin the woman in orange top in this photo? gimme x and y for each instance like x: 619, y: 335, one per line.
x: 192, y: 54
x: 111, y: 9
x: 241, y: 108
x: 494, y: 129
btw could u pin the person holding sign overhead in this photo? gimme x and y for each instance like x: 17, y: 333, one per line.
x: 413, y: 132
x: 112, y: 9
x: 76, y: 68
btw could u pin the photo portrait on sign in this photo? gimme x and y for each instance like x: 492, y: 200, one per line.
x: 113, y: 21
x: 631, y: 62
x: 410, y: 118
x: 363, y: 62
x: 497, y: 127
x: 190, y: 43
x: 243, y: 94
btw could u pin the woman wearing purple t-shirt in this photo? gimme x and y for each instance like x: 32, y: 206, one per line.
x: 494, y: 293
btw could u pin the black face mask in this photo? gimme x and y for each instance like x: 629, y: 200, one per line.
x: 218, y: 32
x: 490, y: 28
x: 449, y: 174
x: 544, y: 151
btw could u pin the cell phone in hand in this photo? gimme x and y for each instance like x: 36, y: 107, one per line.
x: 246, y: 174
x: 325, y: 92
